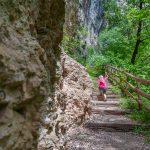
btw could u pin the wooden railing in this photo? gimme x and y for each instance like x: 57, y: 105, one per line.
x: 130, y: 84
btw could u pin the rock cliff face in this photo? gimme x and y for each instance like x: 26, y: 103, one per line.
x: 69, y: 108
x: 42, y: 93
x: 92, y: 18
x: 85, y: 13
x: 30, y: 33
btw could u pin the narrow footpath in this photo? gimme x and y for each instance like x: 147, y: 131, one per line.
x: 108, y: 128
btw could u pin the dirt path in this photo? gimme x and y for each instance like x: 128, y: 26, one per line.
x: 107, y: 129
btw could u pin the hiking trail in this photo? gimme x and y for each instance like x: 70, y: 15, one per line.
x: 108, y: 128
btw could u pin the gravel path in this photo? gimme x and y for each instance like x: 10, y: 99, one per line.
x: 106, y: 117
x: 89, y: 139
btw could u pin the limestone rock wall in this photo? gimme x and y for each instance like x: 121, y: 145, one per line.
x: 30, y: 34
x: 70, y: 107
x: 71, y: 17
x: 88, y: 14
x: 42, y: 92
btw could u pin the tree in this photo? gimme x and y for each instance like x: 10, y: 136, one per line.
x: 139, y: 15
x: 138, y: 38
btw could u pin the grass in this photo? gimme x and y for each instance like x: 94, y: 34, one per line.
x: 116, y: 90
x: 144, y: 132
x: 142, y: 116
x: 127, y: 103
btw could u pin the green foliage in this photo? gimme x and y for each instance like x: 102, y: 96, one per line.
x: 115, y: 46
x: 77, y: 56
x: 95, y: 61
x: 10, y: 3
x: 138, y: 115
x: 94, y: 80
x: 114, y: 43
x: 143, y: 131
x: 138, y: 15
x: 116, y: 90
x: 82, y: 33
x: 128, y: 103
x: 141, y: 116
x: 73, y: 44
x: 112, y: 12
x: 118, y: 40
x: 70, y: 43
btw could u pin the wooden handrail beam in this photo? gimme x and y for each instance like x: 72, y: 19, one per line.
x: 143, y: 81
x: 140, y: 102
x: 135, y: 89
x: 114, y: 75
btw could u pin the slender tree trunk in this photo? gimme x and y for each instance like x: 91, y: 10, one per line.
x: 137, y: 45
x: 138, y: 41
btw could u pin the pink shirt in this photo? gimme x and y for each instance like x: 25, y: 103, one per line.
x: 102, y: 83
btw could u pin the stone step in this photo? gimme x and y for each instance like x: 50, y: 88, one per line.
x: 112, y: 110
x: 110, y: 92
x: 112, y: 127
x: 109, y: 98
x: 113, y: 96
x: 109, y: 89
x: 111, y: 123
x: 109, y: 118
x: 115, y: 103
x: 108, y: 95
x: 97, y: 92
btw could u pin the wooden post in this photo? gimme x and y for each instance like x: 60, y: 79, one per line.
x: 126, y: 85
x: 139, y: 97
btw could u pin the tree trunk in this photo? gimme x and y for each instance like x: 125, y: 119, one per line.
x: 138, y: 41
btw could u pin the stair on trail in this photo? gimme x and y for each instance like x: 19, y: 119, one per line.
x: 108, y: 115
x: 107, y: 129
x: 112, y: 110
x: 102, y: 103
x: 111, y: 123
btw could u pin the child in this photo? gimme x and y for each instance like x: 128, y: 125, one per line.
x: 102, y: 84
